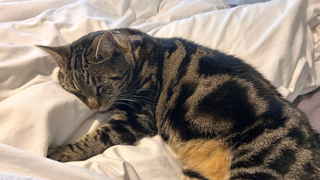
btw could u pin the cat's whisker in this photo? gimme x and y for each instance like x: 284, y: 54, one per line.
x: 126, y: 104
x: 130, y: 100
x: 142, y: 99
x: 135, y: 91
x: 135, y: 97
x: 145, y: 97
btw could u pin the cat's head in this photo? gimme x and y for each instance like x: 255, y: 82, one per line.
x: 95, y: 68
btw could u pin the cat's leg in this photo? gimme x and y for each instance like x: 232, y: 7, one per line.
x: 203, y: 159
x: 119, y: 130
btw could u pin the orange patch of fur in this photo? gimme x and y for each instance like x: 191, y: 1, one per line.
x: 211, y: 158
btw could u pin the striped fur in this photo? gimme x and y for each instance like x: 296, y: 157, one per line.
x: 218, y: 114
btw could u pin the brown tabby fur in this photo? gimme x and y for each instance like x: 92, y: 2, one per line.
x: 221, y: 118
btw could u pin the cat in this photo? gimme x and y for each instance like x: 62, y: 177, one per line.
x: 220, y: 116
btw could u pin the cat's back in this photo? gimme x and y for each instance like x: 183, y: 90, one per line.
x: 221, y: 97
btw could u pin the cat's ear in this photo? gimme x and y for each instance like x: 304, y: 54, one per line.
x: 108, y: 43
x: 58, y: 53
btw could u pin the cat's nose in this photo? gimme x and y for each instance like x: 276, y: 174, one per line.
x: 93, y: 104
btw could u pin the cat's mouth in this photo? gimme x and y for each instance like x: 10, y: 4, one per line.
x: 100, y: 110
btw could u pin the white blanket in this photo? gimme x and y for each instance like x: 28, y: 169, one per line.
x: 280, y: 38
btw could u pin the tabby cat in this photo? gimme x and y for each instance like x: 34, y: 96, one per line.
x: 220, y: 116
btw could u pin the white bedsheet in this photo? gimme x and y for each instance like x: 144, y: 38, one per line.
x: 280, y: 38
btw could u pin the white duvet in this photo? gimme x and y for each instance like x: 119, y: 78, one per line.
x: 280, y: 38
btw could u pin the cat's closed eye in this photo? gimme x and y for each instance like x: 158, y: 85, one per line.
x: 115, y: 78
x: 78, y: 92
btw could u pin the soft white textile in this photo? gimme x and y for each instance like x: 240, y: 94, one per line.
x: 280, y: 38
x: 242, y: 2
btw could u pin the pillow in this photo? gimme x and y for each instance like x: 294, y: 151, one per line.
x: 233, y: 3
x: 279, y: 38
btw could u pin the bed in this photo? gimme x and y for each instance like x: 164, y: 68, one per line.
x: 281, y: 38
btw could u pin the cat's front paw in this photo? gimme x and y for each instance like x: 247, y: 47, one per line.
x: 62, y: 154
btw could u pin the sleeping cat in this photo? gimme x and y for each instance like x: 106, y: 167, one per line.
x: 220, y: 116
